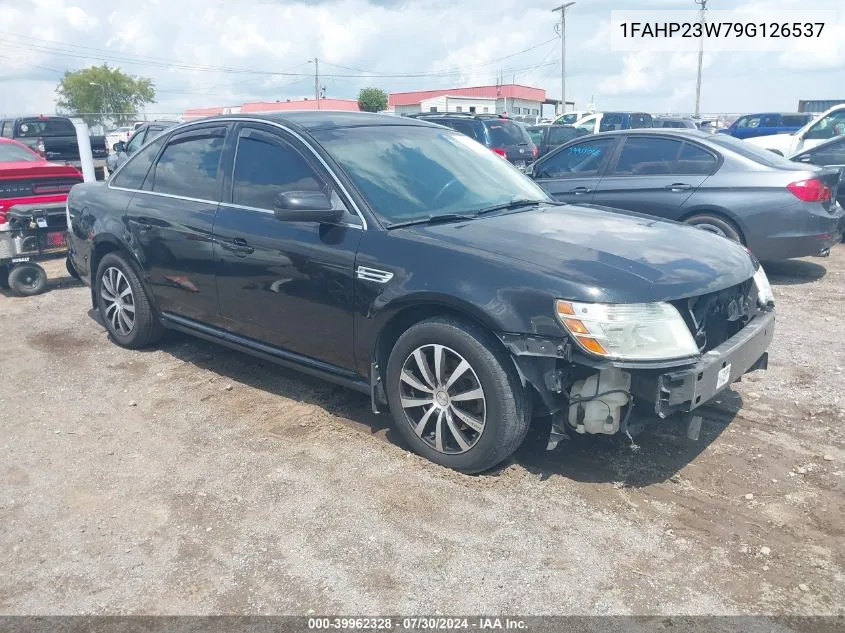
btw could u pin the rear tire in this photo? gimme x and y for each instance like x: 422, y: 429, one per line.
x: 716, y: 224
x: 124, y: 307
x: 71, y: 269
x: 27, y: 280
x: 4, y: 277
x: 472, y: 413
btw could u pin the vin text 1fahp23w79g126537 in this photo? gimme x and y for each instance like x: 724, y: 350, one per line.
x: 409, y: 262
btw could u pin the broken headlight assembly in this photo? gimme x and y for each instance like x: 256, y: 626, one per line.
x: 765, y: 296
x: 631, y: 331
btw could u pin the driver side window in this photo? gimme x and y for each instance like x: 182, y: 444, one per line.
x: 828, y: 127
x: 135, y: 142
x: 583, y: 160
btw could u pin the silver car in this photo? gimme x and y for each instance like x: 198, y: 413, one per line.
x: 120, y: 151
x: 779, y: 209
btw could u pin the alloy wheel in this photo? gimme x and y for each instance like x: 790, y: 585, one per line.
x: 442, y: 399
x: 118, y: 300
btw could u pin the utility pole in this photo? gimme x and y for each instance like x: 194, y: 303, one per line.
x: 703, y: 5
x: 562, y: 8
x: 317, y: 81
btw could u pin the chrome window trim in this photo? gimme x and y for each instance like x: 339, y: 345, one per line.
x: 165, y: 195
x: 275, y: 124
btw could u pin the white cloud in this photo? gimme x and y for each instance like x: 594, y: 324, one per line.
x: 443, y: 42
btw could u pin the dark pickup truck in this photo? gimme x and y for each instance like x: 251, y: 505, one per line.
x: 54, y: 137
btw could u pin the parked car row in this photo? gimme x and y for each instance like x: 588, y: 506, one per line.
x: 406, y: 260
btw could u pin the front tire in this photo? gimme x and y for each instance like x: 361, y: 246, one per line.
x: 454, y: 396
x: 124, y: 306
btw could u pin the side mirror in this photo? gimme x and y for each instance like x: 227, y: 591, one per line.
x: 805, y: 158
x: 305, y: 206
x: 119, y: 147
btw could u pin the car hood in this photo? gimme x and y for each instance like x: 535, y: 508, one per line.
x: 592, y: 253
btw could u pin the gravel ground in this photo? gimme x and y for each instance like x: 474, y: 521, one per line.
x: 193, y: 479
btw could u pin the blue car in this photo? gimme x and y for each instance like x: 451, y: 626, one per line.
x: 767, y: 123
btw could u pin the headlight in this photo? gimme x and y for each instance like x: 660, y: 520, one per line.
x: 765, y: 296
x: 631, y: 331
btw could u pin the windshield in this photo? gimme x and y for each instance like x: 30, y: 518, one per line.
x: 409, y: 173
x: 752, y: 152
x: 15, y: 153
x: 45, y: 127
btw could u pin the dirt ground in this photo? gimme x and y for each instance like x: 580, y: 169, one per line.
x: 189, y: 479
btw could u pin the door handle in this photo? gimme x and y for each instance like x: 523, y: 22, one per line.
x: 580, y: 190
x: 143, y: 224
x: 240, y: 247
x: 678, y: 186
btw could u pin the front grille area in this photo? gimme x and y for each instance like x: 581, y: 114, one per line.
x: 715, y: 317
x: 23, y: 188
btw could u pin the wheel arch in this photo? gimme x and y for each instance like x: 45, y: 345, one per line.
x: 102, y: 246
x: 721, y: 212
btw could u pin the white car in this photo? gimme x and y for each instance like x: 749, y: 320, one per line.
x: 829, y: 124
x: 118, y: 135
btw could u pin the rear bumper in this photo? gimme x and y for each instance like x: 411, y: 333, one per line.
x: 685, y: 389
x: 808, y: 234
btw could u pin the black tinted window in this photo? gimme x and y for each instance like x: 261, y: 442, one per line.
x: 506, y: 133
x: 795, y: 120
x: 265, y: 168
x: 641, y: 120
x: 583, y: 160
x: 829, y: 154
x: 560, y: 135
x: 45, y: 127
x: 464, y: 127
x: 647, y: 156
x: 133, y: 173
x: 188, y: 166
x: 695, y: 160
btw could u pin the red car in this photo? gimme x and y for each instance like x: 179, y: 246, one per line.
x: 28, y: 178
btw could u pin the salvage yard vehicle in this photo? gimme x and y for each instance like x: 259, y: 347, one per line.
x: 831, y: 153
x: 122, y: 150
x: 829, y: 124
x: 767, y: 123
x: 777, y: 208
x: 54, y: 138
x: 33, y: 193
x: 407, y: 261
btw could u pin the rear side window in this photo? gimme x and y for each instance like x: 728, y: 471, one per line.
x: 583, y: 160
x: 188, y: 166
x: 506, y: 133
x: 266, y: 167
x: 464, y: 127
x: 133, y: 173
x: 640, y: 120
x: 647, y: 156
x: 560, y: 135
x: 795, y: 120
x: 695, y: 160
x: 28, y: 128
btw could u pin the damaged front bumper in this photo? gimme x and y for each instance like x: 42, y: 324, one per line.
x: 684, y: 389
x: 551, y: 367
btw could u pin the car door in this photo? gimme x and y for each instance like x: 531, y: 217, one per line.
x: 769, y: 124
x: 289, y: 284
x: 828, y: 155
x: 571, y: 173
x: 171, y: 218
x: 647, y: 176
x: 827, y: 127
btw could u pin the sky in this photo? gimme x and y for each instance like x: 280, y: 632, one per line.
x: 203, y: 53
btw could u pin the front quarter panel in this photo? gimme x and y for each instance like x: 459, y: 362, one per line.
x: 485, y: 287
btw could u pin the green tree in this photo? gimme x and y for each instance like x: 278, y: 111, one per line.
x: 102, y: 93
x: 372, y: 100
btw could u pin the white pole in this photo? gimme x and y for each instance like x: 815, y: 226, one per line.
x: 83, y: 139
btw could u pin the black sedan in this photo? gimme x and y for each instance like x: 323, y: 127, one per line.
x: 777, y: 208
x: 407, y: 261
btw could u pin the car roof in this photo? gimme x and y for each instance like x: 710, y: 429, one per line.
x: 312, y: 120
x: 662, y: 131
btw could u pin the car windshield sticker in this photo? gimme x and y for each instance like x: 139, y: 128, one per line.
x: 587, y: 151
